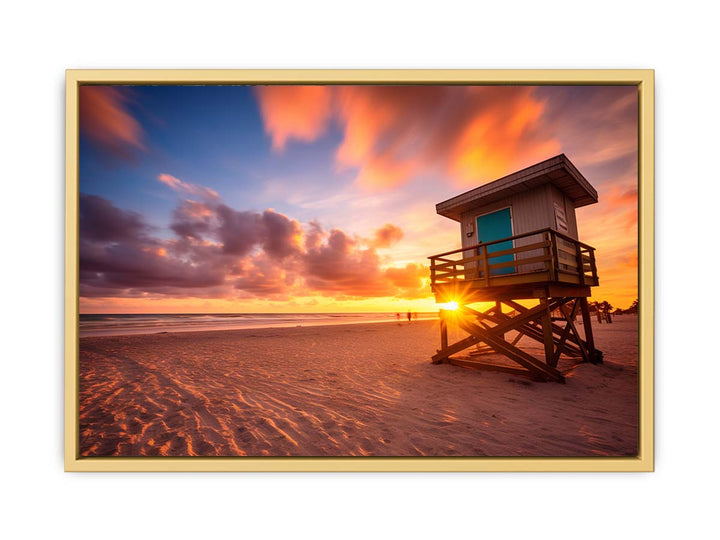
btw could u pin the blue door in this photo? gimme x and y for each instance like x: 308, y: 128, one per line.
x: 492, y: 227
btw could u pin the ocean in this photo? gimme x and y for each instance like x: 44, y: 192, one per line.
x: 125, y: 324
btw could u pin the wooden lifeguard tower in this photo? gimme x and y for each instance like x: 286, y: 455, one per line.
x: 519, y: 242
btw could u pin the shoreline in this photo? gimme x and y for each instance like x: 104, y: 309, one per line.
x: 309, y: 324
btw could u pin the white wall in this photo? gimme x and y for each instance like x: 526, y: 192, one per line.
x: 40, y: 40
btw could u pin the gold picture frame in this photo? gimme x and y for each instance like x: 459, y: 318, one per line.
x: 643, y: 79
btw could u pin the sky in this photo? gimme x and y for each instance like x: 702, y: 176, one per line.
x: 322, y: 198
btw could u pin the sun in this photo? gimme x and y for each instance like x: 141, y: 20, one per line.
x: 449, y: 306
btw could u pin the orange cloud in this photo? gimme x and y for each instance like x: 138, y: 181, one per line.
x: 106, y: 121
x: 496, y: 142
x: 294, y: 112
x: 366, y: 116
x: 612, y: 227
x: 392, y: 134
x: 387, y: 235
x: 411, y: 280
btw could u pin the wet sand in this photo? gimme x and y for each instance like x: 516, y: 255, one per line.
x: 352, y: 390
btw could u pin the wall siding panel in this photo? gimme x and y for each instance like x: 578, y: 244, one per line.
x: 531, y: 210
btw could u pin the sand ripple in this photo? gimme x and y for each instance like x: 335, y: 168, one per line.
x: 345, y: 390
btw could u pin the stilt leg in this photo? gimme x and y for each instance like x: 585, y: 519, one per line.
x: 498, y: 313
x: 587, y: 327
x: 547, y: 333
x: 443, y: 333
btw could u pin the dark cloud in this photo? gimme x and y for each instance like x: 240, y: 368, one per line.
x: 281, y: 235
x: 239, y: 232
x: 101, y: 221
x: 339, y: 265
x: 192, y: 220
x: 219, y: 251
x: 116, y: 252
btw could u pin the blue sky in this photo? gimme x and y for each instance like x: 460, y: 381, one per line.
x: 356, y: 170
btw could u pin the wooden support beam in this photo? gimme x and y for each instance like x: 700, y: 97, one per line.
x: 572, y: 349
x: 535, y: 332
x: 573, y: 329
x: 455, y: 348
x: 547, y: 333
x: 482, y: 352
x: 536, y: 367
x: 487, y: 330
x: 443, y: 333
x: 566, y: 332
x: 587, y: 328
x: 532, y: 331
x: 560, y: 346
x: 486, y: 366
x: 528, y: 315
x: 498, y: 312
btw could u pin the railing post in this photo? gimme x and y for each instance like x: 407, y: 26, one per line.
x: 486, y: 265
x: 547, y: 251
x: 593, y: 266
x: 555, y: 255
x: 580, y: 263
x: 444, y: 270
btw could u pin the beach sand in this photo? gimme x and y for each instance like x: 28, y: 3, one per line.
x: 347, y: 390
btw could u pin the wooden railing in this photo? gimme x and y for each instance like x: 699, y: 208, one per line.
x: 542, y: 255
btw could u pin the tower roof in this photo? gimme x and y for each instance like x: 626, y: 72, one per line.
x: 558, y: 171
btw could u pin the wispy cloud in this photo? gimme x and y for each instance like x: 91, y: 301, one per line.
x: 187, y: 188
x: 106, y: 121
x: 393, y: 133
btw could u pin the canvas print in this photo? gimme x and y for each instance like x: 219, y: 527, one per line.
x: 358, y: 270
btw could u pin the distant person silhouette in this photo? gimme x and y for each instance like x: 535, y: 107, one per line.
x: 409, y: 315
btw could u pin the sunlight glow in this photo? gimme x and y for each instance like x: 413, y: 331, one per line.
x: 450, y: 306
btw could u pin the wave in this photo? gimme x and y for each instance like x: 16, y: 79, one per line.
x: 125, y: 323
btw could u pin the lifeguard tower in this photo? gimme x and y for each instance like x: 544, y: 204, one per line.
x: 519, y: 242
